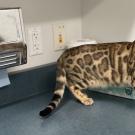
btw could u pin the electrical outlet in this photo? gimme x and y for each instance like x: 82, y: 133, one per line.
x: 35, y: 40
x: 59, y: 31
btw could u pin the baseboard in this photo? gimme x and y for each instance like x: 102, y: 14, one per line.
x: 28, y: 83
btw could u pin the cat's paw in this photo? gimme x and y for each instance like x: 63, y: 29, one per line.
x: 87, y: 101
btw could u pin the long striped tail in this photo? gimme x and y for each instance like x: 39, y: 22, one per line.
x: 58, y: 93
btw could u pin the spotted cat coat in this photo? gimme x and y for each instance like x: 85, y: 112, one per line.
x: 90, y: 66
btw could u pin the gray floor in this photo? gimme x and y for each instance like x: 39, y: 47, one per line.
x: 108, y: 116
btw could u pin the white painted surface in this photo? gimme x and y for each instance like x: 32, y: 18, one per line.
x: 35, y: 40
x: 45, y: 13
x: 80, y: 43
x: 109, y: 20
x: 59, y: 34
x: 101, y: 20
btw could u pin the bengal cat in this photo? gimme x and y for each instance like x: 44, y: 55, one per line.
x: 89, y: 66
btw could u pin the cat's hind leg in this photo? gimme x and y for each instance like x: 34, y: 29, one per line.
x: 79, y: 95
x: 133, y: 80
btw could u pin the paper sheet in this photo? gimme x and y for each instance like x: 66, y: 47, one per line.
x: 4, y: 79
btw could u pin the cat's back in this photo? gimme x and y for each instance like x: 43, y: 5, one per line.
x: 94, y: 51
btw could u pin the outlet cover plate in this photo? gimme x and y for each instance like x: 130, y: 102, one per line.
x: 35, y: 40
x: 59, y: 32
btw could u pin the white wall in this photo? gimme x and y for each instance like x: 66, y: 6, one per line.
x: 45, y: 13
x: 103, y: 20
x: 109, y: 20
